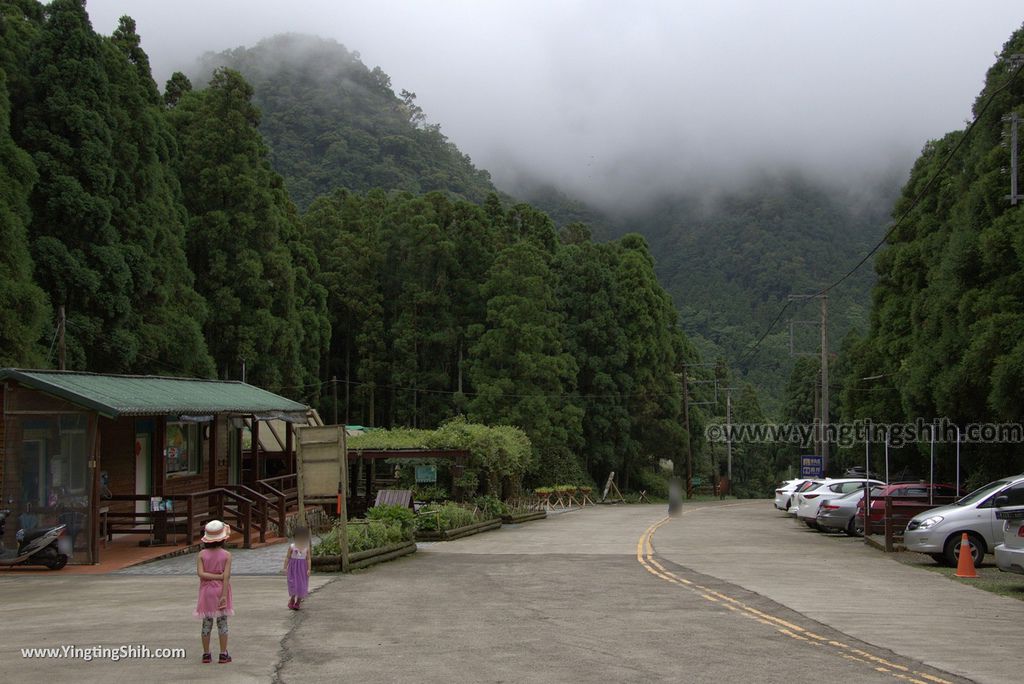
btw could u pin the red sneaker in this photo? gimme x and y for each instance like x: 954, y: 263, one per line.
x: 291, y: 602
x: 224, y: 658
x: 207, y: 658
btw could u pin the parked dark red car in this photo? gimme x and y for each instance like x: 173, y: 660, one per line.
x: 908, y: 499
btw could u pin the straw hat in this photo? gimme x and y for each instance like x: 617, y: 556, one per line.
x: 215, y: 531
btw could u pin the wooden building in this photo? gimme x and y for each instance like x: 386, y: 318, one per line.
x: 140, y: 454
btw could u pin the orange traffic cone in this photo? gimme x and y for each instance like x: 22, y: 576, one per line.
x: 965, y: 564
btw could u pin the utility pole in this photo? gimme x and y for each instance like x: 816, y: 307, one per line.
x: 1014, y: 120
x: 824, y: 409
x: 689, y: 455
x: 817, y: 415
x: 824, y: 385
x: 61, y: 349
x: 728, y: 434
x: 1014, y: 196
x: 334, y: 397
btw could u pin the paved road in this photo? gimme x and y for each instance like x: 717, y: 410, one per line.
x: 573, y: 598
x: 839, y: 581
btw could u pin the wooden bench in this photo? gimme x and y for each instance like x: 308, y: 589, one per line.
x: 394, y: 497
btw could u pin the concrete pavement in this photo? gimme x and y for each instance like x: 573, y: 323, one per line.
x: 838, y: 581
x: 564, y: 599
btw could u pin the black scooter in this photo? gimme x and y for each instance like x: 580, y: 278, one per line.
x: 38, y: 547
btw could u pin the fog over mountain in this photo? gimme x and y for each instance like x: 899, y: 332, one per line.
x: 616, y: 103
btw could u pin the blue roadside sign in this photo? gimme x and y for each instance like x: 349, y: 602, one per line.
x: 811, y: 466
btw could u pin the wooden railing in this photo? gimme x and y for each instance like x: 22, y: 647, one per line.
x: 283, y: 491
x: 223, y: 504
x: 188, y: 514
x: 267, y: 509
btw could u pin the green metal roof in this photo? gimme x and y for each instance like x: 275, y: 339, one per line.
x: 147, y: 395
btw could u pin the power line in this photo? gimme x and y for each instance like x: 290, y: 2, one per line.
x: 902, y: 217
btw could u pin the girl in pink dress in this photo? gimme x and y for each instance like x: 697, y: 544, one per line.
x: 213, y: 565
x: 298, y: 563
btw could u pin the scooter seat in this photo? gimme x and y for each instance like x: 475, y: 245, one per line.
x: 34, y: 534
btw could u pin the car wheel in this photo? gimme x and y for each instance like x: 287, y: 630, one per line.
x: 812, y: 524
x: 952, y: 550
x: 851, y: 528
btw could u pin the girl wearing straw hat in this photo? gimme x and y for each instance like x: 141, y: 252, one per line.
x: 213, y: 565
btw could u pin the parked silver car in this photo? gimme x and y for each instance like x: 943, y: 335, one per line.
x: 938, y: 532
x: 1010, y: 511
x: 840, y: 514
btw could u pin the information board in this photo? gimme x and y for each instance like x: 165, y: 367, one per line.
x: 811, y: 466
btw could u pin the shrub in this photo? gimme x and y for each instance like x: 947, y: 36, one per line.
x: 468, y: 482
x: 654, y: 483
x: 442, y: 517
x: 363, y: 536
x: 490, y: 507
x: 430, y: 493
x: 392, y: 513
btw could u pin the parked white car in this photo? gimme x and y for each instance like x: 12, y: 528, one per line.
x: 939, y: 531
x: 1010, y: 510
x: 807, y: 487
x: 784, y: 494
x: 828, y: 490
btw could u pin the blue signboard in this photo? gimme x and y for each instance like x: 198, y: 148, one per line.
x: 426, y: 474
x: 811, y: 466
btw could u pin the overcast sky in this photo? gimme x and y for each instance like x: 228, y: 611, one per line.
x: 605, y: 97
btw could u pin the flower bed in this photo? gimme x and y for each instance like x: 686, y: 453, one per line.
x: 387, y: 533
x: 444, y: 522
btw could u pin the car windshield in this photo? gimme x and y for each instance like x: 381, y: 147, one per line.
x: 979, y: 494
x: 877, y: 491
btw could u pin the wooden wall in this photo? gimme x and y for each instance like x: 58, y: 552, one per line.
x: 117, y: 458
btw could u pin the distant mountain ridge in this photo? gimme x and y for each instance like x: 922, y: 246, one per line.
x: 728, y: 264
x: 333, y: 122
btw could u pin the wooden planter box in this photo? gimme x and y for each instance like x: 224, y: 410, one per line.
x: 364, y: 559
x: 516, y: 518
x: 458, y: 532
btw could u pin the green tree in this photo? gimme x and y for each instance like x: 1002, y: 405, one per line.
x: 947, y: 314
x: 648, y: 322
x: 518, y: 367
x: 241, y: 237
x: 588, y: 294
x: 107, y: 226
x: 24, y: 312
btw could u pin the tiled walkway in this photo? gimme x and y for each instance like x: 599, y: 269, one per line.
x: 267, y: 560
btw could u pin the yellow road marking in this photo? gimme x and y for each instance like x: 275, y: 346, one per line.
x: 645, y: 556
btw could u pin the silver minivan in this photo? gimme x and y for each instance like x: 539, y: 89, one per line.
x: 938, y: 532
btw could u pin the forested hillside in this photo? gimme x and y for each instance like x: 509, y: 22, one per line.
x: 947, y: 314
x: 333, y: 122
x: 730, y: 262
x: 157, y: 222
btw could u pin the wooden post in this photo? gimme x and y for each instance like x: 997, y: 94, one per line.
x: 94, y: 498
x: 213, y: 453
x: 159, y: 477
x: 343, y: 487
x: 888, y: 524
x: 370, y: 467
x: 256, y: 469
x: 289, y: 446
x: 299, y: 483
